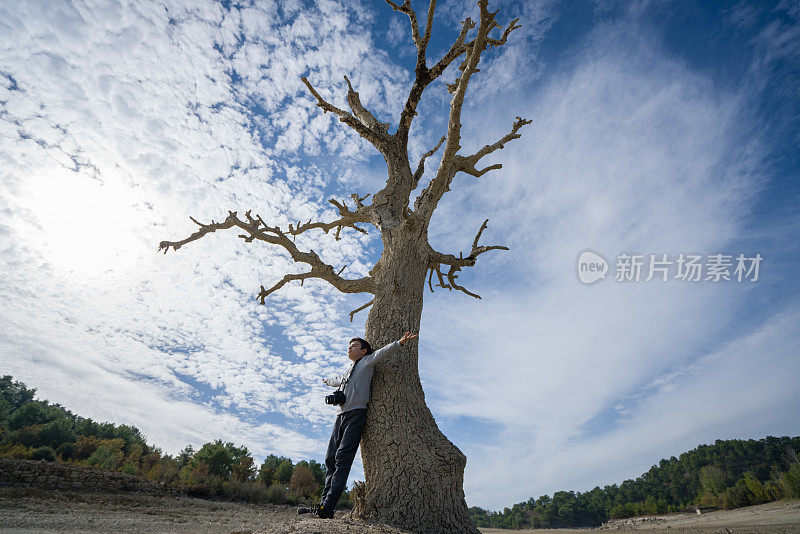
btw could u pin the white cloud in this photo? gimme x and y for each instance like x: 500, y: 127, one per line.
x: 121, y: 121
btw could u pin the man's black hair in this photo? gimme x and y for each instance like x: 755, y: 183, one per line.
x: 364, y: 344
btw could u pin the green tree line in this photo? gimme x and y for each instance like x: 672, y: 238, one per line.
x: 728, y: 474
x: 38, y: 430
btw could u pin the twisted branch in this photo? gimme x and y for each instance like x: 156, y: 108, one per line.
x: 378, y: 138
x: 458, y: 48
x: 348, y: 218
x: 367, y: 305
x: 450, y: 163
x: 467, y: 163
x: 412, y: 15
x: 256, y: 228
x: 437, y: 259
x: 504, y: 38
x: 421, y: 166
x: 367, y: 118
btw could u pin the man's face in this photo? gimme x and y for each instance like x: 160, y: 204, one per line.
x: 354, y: 352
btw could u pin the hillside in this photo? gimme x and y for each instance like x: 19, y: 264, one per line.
x: 34, y: 429
x: 728, y: 474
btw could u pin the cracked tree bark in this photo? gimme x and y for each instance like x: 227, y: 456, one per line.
x: 414, y: 474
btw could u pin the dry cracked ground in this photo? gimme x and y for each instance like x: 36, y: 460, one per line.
x: 29, y: 510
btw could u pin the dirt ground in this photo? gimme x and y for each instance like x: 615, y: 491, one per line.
x: 31, y: 510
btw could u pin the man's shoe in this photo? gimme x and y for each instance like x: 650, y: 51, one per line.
x: 324, y: 513
x: 307, y: 510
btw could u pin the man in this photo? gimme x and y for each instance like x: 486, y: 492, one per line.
x: 346, y: 435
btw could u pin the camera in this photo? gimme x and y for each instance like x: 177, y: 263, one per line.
x: 337, y: 398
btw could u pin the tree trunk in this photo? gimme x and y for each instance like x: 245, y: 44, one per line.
x: 414, y: 474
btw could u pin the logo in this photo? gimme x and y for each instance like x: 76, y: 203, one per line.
x: 687, y: 267
x: 591, y: 267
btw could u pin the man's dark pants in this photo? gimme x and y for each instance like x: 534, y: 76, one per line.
x: 342, y: 448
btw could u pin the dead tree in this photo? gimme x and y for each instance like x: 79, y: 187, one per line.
x: 414, y: 474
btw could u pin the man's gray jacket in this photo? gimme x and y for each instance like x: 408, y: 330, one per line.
x: 356, y: 388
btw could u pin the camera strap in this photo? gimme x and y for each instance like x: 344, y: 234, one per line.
x: 349, y: 374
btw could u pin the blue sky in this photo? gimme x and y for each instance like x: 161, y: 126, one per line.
x: 658, y: 128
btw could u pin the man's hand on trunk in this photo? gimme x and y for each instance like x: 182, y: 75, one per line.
x: 406, y: 337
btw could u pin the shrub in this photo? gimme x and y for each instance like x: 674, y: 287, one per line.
x: 44, y: 453
x: 244, y: 469
x: 277, y: 494
x: 758, y: 494
x: 165, y: 470
x: 66, y: 451
x: 18, y: 451
x: 712, y: 479
x: 108, y: 455
x: 196, y: 474
x: 197, y: 480
x: 709, y: 500
x: 244, y: 491
x: 737, y: 496
x: 150, y: 460
x: 130, y: 468
x: 134, y: 456
x: 85, y: 446
x: 28, y: 436
x: 788, y: 482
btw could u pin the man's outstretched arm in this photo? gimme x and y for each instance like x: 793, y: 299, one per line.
x: 333, y: 382
x: 387, y: 350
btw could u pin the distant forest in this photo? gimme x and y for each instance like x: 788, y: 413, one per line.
x: 727, y: 474
x: 37, y: 430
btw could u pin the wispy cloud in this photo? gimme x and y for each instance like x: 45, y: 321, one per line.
x: 630, y: 151
x: 120, y: 122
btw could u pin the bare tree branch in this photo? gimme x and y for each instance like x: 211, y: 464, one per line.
x: 467, y: 163
x: 348, y: 218
x: 458, y: 48
x: 422, y: 78
x: 367, y: 305
x: 438, y: 270
x: 429, y: 198
x: 429, y: 23
x: 421, y: 167
x: 367, y: 118
x: 461, y: 46
x: 378, y: 138
x: 424, y: 75
x: 451, y: 278
x: 408, y: 10
x: 504, y: 38
x: 264, y: 293
x: 437, y: 259
x: 451, y: 163
x: 258, y: 229
x: 358, y: 200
